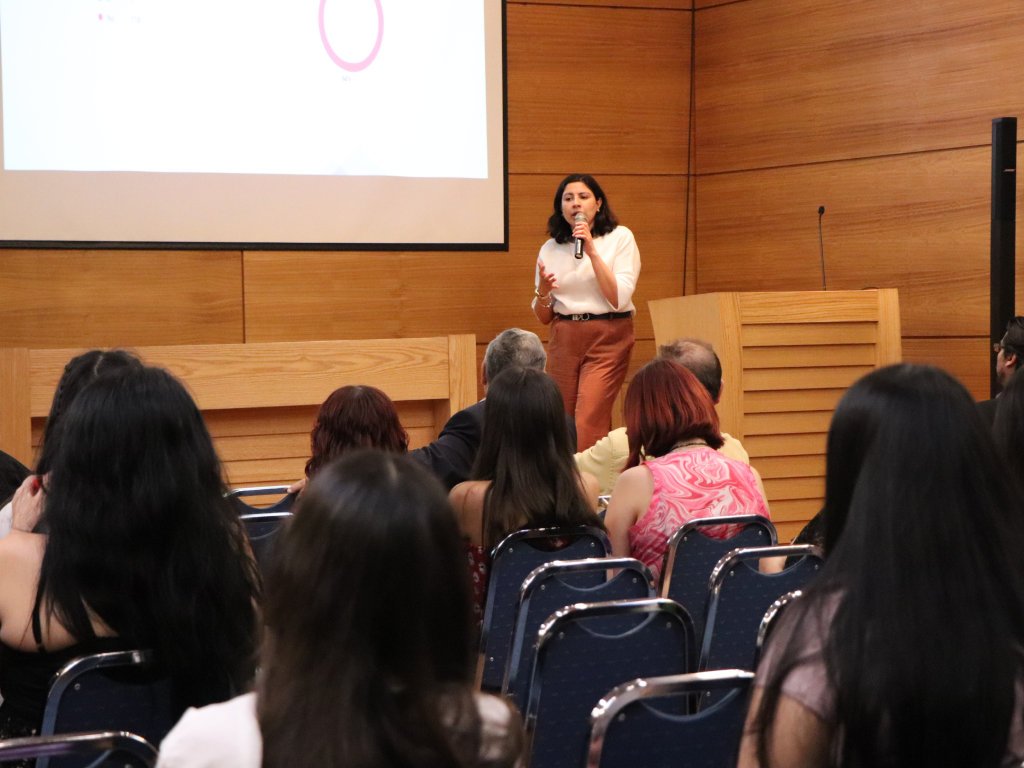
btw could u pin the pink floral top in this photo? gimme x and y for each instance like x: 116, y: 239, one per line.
x: 690, y: 484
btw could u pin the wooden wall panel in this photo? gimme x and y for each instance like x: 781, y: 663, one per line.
x: 918, y: 223
x: 73, y: 298
x: 967, y: 359
x: 678, y: 5
x: 781, y: 82
x: 602, y: 89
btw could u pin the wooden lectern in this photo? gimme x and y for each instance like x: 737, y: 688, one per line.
x: 786, y: 359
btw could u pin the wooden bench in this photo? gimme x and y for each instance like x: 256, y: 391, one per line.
x: 260, y: 400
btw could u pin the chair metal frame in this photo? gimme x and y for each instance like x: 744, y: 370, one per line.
x: 549, y: 629
x: 281, y: 506
x: 731, y: 560
x: 535, y: 578
x: 669, y: 560
x: 620, y: 697
x: 68, y: 744
x: 505, y: 545
x: 768, y: 622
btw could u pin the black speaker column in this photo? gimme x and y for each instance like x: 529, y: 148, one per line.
x: 1004, y: 218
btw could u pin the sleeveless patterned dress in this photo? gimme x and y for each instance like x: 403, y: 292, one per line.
x: 696, y: 483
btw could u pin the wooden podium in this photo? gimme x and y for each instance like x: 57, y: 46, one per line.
x: 787, y: 358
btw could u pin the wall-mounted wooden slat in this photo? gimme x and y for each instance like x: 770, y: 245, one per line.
x: 808, y: 357
x: 15, y: 397
x: 790, y: 466
x: 793, y: 400
x: 784, y: 445
x: 802, y: 378
x: 919, y: 223
x: 804, y: 81
x: 264, y: 421
x: 807, y: 307
x: 786, y: 423
x: 678, y: 5
x: 810, y: 334
x: 76, y: 298
x: 795, y: 488
x: 254, y: 472
x: 633, y: 119
x: 788, y: 531
x: 253, y: 447
x: 795, y: 509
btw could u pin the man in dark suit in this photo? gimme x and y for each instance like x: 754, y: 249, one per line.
x: 450, y: 457
x: 1010, y: 351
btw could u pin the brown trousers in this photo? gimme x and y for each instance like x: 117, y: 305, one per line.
x: 589, y: 360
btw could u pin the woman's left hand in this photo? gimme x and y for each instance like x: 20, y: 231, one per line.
x: 27, y: 505
x: 581, y: 230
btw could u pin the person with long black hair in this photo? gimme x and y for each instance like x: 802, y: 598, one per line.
x: 1009, y: 425
x: 142, y: 551
x: 908, y: 647
x: 525, y: 474
x: 369, y: 656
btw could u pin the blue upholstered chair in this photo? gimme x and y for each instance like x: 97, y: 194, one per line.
x: 771, y: 620
x: 109, y: 748
x: 630, y: 726
x: 579, y: 661
x: 120, y: 691
x: 740, y: 597
x: 691, y: 556
x: 262, y: 525
x: 546, y: 590
x: 511, y: 562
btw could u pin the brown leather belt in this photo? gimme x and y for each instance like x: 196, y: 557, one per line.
x: 588, y: 316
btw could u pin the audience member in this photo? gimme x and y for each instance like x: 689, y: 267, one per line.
x: 142, y: 550
x: 607, y: 458
x: 369, y: 657
x: 671, y: 421
x: 12, y: 475
x: 906, y: 649
x: 79, y: 372
x: 1010, y: 351
x: 451, y: 456
x: 1009, y: 426
x: 524, y: 476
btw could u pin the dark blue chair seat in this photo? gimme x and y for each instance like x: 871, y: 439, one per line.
x: 630, y: 726
x: 546, y: 590
x: 124, y: 750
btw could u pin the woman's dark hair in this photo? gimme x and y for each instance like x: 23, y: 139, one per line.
x: 12, y: 475
x: 355, y: 417
x: 666, y: 403
x: 926, y: 583
x: 1009, y: 424
x: 79, y: 372
x: 369, y: 659
x: 526, y: 452
x: 140, y: 533
x: 604, y: 221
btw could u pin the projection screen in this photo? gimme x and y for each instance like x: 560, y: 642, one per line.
x: 251, y: 123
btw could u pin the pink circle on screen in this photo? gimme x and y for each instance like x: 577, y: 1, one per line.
x: 348, y: 65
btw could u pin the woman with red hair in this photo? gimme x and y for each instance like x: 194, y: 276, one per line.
x: 675, y: 472
x: 355, y: 417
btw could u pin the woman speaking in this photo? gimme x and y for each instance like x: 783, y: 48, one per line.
x: 588, y: 300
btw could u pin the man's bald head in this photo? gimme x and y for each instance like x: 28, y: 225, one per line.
x: 699, y: 357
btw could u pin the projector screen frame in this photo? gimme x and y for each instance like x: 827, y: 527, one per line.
x: 154, y: 245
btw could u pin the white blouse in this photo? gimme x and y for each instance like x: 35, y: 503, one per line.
x: 578, y: 291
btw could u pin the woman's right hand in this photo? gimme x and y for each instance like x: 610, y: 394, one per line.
x: 27, y: 505
x: 547, y: 281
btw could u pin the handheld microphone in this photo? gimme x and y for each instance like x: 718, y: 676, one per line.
x: 580, y: 216
x: 821, y: 246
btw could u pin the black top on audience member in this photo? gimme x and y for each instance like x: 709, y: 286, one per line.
x: 604, y: 221
x: 369, y: 659
x: 12, y: 475
x: 140, y: 532
x: 926, y: 578
x: 1009, y: 425
x: 529, y: 456
x: 78, y: 373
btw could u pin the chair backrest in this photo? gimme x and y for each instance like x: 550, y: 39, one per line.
x: 120, y: 691
x: 511, y: 562
x: 629, y: 728
x: 546, y: 590
x: 114, y: 748
x: 284, y: 504
x: 578, y: 663
x: 740, y: 596
x: 691, y: 556
x: 771, y: 620
x: 261, y: 529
